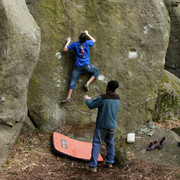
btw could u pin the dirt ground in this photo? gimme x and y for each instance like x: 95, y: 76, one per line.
x: 32, y: 159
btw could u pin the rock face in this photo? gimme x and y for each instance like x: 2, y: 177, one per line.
x: 173, y: 52
x: 168, y: 100
x: 19, y: 51
x: 28, y: 126
x: 131, y: 43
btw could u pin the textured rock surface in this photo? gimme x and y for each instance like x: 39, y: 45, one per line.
x: 170, y: 4
x: 173, y: 53
x: 19, y: 51
x: 168, y: 100
x: 132, y: 39
x: 28, y: 126
x: 169, y: 155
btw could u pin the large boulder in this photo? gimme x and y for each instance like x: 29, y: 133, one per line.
x: 173, y: 52
x: 168, y: 99
x: 19, y: 51
x: 132, y: 39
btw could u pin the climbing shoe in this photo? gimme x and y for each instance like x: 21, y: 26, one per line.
x: 65, y: 101
x: 152, y: 146
x: 86, y: 87
x: 162, y: 142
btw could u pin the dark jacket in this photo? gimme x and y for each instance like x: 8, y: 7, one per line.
x: 108, y: 105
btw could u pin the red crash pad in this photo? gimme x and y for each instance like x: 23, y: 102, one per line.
x: 72, y: 148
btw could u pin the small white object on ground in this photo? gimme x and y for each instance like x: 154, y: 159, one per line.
x: 130, y: 137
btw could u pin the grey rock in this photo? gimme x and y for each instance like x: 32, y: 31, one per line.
x: 131, y: 43
x: 19, y: 51
x: 173, y: 52
x: 168, y: 99
x: 28, y: 126
x: 168, y: 155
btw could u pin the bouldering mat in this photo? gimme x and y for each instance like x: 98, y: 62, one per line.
x: 64, y: 145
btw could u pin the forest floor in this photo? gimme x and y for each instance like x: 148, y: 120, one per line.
x: 32, y: 159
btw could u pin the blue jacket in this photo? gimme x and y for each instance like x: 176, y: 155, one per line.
x: 108, y: 105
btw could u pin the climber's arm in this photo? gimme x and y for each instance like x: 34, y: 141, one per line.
x: 88, y: 35
x: 67, y: 43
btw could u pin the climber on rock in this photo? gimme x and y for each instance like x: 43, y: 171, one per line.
x: 81, y: 50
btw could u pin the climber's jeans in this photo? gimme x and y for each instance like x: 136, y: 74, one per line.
x: 77, y: 71
x: 108, y: 136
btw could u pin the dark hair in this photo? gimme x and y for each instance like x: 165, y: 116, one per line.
x: 82, y: 37
x: 112, y: 85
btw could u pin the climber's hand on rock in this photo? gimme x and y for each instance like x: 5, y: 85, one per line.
x: 86, y: 32
x: 68, y: 39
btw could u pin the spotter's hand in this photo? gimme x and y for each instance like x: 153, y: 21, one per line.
x: 86, y: 97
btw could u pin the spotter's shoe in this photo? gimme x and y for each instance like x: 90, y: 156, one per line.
x: 91, y: 169
x: 108, y: 165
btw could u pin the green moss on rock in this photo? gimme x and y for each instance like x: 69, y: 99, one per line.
x: 33, y: 88
x: 121, y: 157
x: 168, y: 101
x: 165, y: 78
x: 121, y: 147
